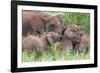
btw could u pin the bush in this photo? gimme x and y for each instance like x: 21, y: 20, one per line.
x: 81, y: 19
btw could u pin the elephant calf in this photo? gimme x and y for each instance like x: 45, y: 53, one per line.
x: 84, y: 45
x: 71, y: 36
x: 65, y: 44
x: 39, y: 45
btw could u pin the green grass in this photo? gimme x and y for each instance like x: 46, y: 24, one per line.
x: 81, y: 19
x: 54, y: 55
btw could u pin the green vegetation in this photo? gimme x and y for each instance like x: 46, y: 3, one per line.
x: 55, y: 54
x: 82, y: 19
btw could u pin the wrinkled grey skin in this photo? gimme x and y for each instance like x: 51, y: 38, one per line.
x: 36, y: 23
x: 53, y: 23
x: 65, y: 45
x: 39, y: 45
x: 73, y: 33
x: 32, y: 22
x: 75, y: 37
x: 84, y: 45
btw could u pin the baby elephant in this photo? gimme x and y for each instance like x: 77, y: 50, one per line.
x: 39, y: 45
x: 65, y: 45
x: 84, y: 45
x: 73, y: 33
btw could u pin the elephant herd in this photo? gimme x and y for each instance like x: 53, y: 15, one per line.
x: 41, y: 30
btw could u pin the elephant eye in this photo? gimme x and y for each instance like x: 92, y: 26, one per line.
x: 52, y: 26
x: 78, y: 29
x: 73, y: 30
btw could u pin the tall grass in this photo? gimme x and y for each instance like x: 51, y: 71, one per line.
x: 54, y: 55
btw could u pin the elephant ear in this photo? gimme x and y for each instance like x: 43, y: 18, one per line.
x: 60, y: 17
x: 45, y: 21
x: 64, y: 28
x: 50, y: 40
